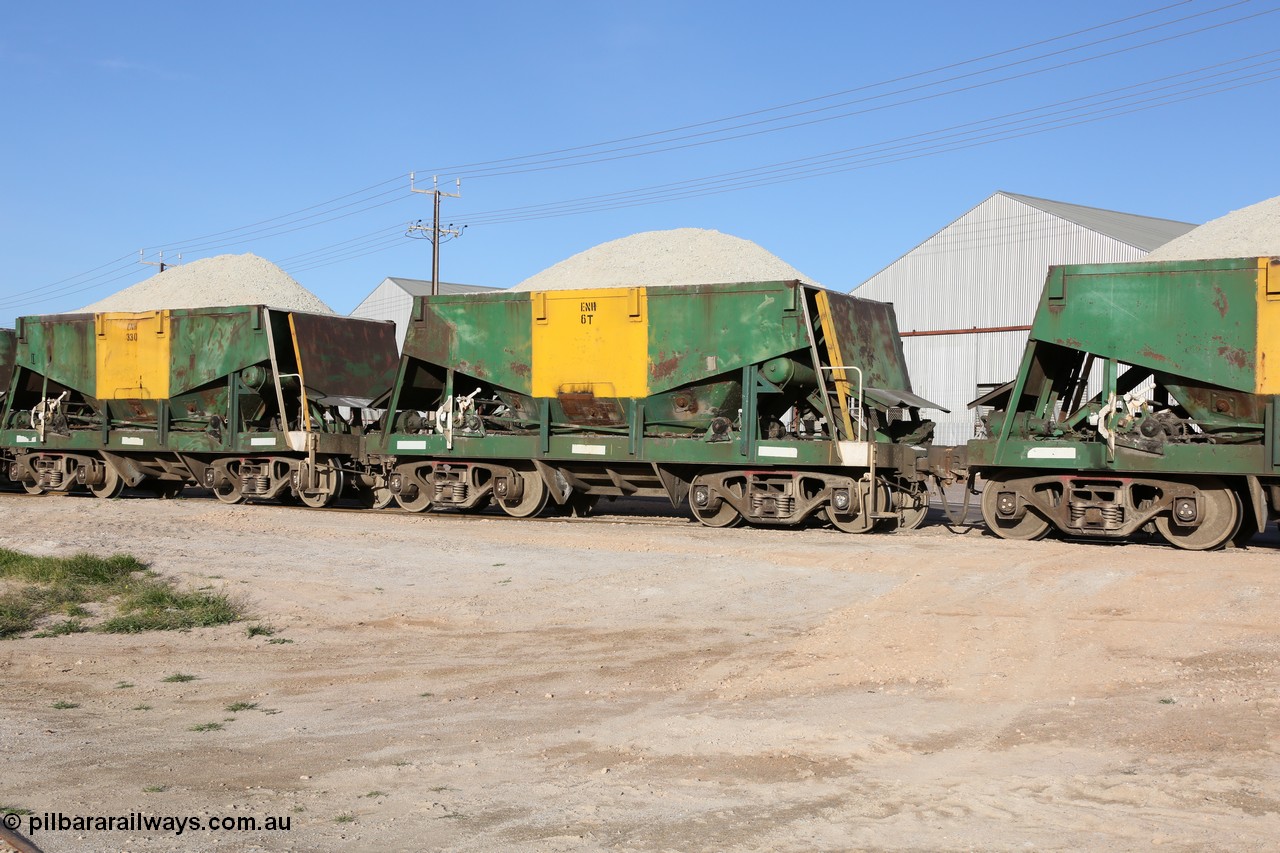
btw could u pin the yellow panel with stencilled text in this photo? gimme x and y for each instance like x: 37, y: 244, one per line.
x: 133, y: 355
x: 1268, y: 364
x: 591, y: 341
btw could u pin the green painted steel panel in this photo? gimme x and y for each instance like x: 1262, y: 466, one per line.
x: 701, y: 331
x: 488, y: 336
x: 8, y: 353
x: 63, y: 348
x: 209, y: 344
x: 1197, y: 320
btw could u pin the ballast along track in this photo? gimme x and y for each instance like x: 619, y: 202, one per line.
x: 1148, y: 401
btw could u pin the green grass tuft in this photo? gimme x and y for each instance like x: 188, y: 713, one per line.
x: 63, y: 705
x: 69, y: 626
x: 179, y: 678
x: 159, y: 607
x: 235, y: 707
x: 207, y: 727
x: 39, y: 587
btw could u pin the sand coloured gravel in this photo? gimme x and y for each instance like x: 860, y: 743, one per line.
x: 1247, y: 232
x: 654, y: 258
x: 222, y: 280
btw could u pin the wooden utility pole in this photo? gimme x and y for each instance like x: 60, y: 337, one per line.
x: 437, y: 234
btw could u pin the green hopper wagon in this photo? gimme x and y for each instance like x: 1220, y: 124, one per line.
x: 249, y: 401
x: 773, y: 402
x: 1148, y: 399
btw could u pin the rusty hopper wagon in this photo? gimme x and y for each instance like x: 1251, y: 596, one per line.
x: 773, y: 402
x: 250, y: 401
x: 1182, y: 435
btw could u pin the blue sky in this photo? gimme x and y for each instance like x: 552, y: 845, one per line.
x: 289, y: 129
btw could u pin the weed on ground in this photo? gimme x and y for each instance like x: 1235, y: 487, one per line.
x: 133, y: 598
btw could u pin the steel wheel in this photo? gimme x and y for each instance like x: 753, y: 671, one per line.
x: 534, y: 498
x: 1221, y: 520
x: 723, y: 515
x: 1248, y: 526
x: 323, y: 496
x: 420, y: 502
x: 1030, y: 527
x: 861, y: 522
x: 228, y: 493
x: 31, y: 487
x: 914, y: 509
x: 111, y: 486
x: 375, y: 497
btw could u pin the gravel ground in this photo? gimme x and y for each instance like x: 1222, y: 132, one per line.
x: 222, y: 280
x: 638, y: 682
x: 678, y: 256
x: 1250, y: 231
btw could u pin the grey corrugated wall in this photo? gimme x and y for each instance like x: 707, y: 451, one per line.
x: 984, y: 270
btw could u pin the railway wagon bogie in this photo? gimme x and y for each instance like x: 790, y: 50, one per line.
x: 771, y: 402
x: 1147, y: 401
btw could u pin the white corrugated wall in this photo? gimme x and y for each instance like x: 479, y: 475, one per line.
x: 388, y: 301
x: 985, y: 270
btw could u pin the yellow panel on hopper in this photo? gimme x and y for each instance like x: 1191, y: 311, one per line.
x: 133, y: 355
x: 1268, y: 367
x: 591, y: 341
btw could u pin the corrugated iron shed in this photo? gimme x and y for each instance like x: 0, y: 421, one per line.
x: 393, y: 300
x: 965, y: 296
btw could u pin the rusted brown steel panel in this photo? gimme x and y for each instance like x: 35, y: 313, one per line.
x: 868, y: 336
x: 346, y: 356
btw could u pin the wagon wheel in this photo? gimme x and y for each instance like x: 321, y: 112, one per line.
x: 912, y: 508
x: 374, y: 497
x: 533, y: 498
x: 1030, y: 527
x: 1248, y: 526
x: 420, y: 502
x: 323, y: 496
x: 31, y: 487
x: 861, y: 522
x: 724, y: 515
x: 1221, y: 520
x: 111, y: 486
x: 228, y: 492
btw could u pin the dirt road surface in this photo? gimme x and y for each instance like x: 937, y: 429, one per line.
x: 481, y: 683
